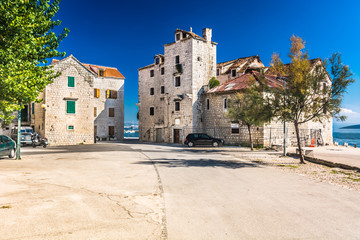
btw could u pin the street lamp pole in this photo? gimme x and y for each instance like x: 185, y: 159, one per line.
x: 284, y: 120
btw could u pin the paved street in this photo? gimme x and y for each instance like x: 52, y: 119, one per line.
x: 147, y: 191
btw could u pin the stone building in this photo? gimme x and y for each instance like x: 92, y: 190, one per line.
x: 83, y: 102
x: 170, y: 88
x: 174, y: 99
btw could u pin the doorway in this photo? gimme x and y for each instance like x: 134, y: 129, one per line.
x: 159, y: 135
x: 177, y: 135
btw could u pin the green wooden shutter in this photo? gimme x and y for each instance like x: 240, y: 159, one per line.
x: 71, y: 81
x: 33, y: 108
x: 70, y: 106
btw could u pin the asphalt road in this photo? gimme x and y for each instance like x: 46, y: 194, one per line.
x: 147, y: 191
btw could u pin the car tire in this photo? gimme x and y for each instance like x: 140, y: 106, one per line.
x: 191, y: 144
x: 12, y: 153
x: 44, y: 145
x: 34, y: 145
x: 215, y: 144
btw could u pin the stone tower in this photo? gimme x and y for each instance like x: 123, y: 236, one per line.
x: 170, y: 88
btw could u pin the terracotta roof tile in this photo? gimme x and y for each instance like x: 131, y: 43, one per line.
x: 108, y: 71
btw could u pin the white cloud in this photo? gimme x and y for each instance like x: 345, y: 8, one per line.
x: 348, y: 111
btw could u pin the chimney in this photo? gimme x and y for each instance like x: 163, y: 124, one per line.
x: 207, y: 33
x: 190, y: 29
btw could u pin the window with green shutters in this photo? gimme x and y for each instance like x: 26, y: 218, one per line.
x: 71, y: 81
x: 70, y: 107
x: 33, y: 108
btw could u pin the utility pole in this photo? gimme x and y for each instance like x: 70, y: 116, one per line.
x: 284, y: 120
x: 18, y: 157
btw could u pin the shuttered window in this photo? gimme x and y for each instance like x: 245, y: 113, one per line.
x: 96, y: 92
x: 33, y: 108
x: 71, y: 81
x: 95, y: 112
x: 112, y: 94
x: 70, y: 107
x: 111, y: 112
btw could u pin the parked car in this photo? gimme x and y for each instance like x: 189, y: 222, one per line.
x: 202, y: 139
x: 7, y: 146
x: 26, y: 133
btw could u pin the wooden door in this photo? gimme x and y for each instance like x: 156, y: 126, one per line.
x: 176, y: 135
x: 158, y: 135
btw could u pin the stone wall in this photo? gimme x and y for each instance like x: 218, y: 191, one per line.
x: 57, y: 120
x: 102, y: 105
x: 198, y: 62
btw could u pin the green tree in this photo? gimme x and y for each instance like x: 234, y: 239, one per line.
x: 309, y: 93
x: 249, y: 108
x: 27, y: 40
x: 213, y: 82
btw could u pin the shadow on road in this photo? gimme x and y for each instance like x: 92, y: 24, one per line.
x: 198, y: 163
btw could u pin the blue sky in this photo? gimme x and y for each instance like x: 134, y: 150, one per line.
x: 127, y: 34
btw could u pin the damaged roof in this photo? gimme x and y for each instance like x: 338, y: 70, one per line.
x: 271, y: 70
x: 243, y: 62
x: 244, y: 81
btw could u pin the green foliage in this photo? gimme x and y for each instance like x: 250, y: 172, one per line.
x: 27, y: 40
x: 309, y: 94
x: 249, y: 108
x: 213, y: 82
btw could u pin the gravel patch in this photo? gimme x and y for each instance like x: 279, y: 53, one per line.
x: 348, y: 179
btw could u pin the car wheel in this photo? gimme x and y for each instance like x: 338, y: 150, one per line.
x: 44, y: 145
x: 215, y: 144
x: 191, y: 144
x: 12, y: 153
x: 34, y: 145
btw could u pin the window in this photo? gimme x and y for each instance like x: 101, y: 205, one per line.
x: 70, y: 107
x: 111, y: 112
x: 217, y: 72
x: 177, y: 106
x: 151, y: 73
x: 233, y: 73
x: 111, y: 131
x: 184, y: 35
x: 157, y: 61
x: 207, y: 104
x: 162, y: 89
x: 151, y: 111
x: 101, y: 73
x: 96, y: 92
x: 177, y: 59
x: 33, y: 108
x: 112, y: 94
x: 199, y: 59
x: 162, y: 71
x: 178, y: 37
x: 225, y: 103
x: 324, y: 86
x: 177, y: 82
x: 95, y: 112
x: 71, y: 81
x: 235, y: 128
x: 162, y: 59
x: 70, y: 127
x: 152, y: 91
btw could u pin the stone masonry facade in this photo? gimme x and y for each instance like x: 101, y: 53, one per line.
x: 170, y: 89
x: 174, y: 99
x: 67, y: 115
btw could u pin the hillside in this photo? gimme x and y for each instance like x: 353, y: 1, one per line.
x: 352, y: 127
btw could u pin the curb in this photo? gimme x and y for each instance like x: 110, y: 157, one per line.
x: 326, y: 163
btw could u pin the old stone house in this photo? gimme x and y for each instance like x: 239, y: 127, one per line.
x: 174, y: 99
x: 85, y: 101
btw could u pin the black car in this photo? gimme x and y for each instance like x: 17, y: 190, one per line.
x: 201, y: 139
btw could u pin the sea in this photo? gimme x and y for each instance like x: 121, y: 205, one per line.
x: 350, y: 136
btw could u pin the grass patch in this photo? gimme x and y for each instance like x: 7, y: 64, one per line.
x: 290, y: 166
x: 5, y: 207
x: 354, y: 179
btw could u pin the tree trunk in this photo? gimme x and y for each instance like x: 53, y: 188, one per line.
x: 298, y: 141
x: 251, y: 142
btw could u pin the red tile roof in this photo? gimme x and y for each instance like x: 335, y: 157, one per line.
x: 108, y: 71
